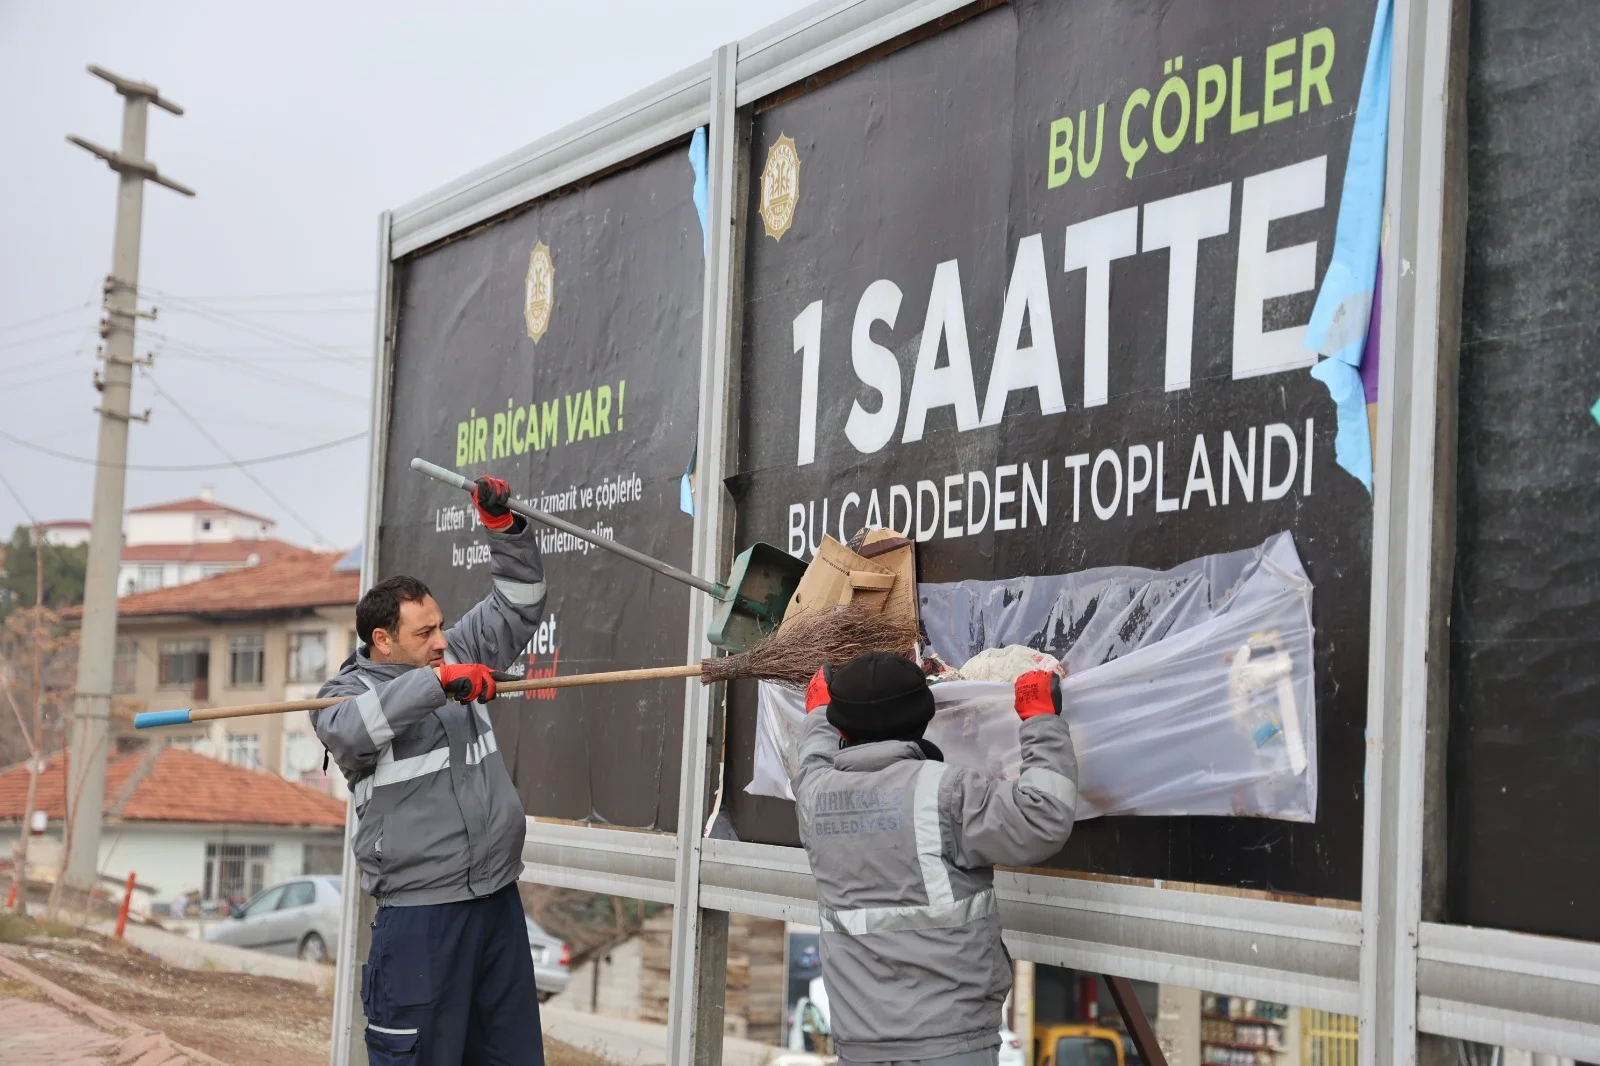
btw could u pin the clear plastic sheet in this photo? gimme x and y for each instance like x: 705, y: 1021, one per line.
x: 1191, y: 690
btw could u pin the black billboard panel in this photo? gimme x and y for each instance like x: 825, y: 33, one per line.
x: 1034, y: 289
x: 559, y: 349
x: 1524, y: 768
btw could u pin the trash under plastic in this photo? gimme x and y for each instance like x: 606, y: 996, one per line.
x: 1190, y: 691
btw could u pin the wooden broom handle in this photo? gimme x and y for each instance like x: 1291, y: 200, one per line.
x: 654, y: 673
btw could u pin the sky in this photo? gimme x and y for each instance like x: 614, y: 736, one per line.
x: 301, y: 123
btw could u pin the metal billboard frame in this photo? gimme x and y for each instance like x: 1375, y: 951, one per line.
x: 1410, y: 977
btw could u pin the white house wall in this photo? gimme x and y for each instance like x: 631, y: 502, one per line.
x: 171, y: 860
x: 163, y: 528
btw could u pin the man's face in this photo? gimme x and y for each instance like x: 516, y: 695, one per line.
x: 418, y: 638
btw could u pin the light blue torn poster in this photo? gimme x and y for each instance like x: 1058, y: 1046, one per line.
x: 686, y: 486
x: 702, y: 207
x: 1595, y: 410
x: 702, y: 191
x: 1338, y: 327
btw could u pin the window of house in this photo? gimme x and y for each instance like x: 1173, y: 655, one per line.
x: 184, y: 662
x: 247, y: 660
x: 205, y: 524
x: 308, y: 656
x: 211, y: 570
x: 125, y: 671
x: 244, y: 749
x: 149, y: 577
x: 235, y: 871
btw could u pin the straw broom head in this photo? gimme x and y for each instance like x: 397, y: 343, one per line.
x: 804, y: 644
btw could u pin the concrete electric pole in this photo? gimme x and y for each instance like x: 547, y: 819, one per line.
x: 98, y: 637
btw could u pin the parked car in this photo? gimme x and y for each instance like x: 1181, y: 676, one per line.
x: 297, y: 918
x: 552, y: 961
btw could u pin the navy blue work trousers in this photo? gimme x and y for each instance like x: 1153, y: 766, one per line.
x: 451, y: 984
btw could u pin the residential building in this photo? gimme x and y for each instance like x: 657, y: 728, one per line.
x: 174, y: 543
x: 184, y: 822
x: 272, y: 632
x: 66, y: 533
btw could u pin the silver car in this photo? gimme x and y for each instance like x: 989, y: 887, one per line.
x: 298, y: 918
x: 552, y: 962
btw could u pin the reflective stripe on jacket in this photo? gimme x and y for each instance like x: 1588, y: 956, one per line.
x: 903, y: 849
x: 439, y: 819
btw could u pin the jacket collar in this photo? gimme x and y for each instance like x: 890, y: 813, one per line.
x: 358, y: 663
x: 865, y: 758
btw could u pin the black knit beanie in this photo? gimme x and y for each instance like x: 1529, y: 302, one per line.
x: 879, y: 696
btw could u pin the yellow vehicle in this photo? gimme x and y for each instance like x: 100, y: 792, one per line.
x: 1061, y: 1044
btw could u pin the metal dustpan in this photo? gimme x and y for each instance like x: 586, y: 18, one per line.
x: 762, y: 582
x: 750, y: 604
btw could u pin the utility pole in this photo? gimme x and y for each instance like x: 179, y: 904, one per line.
x: 98, y: 637
x: 19, y: 876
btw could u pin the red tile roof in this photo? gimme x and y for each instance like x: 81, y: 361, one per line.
x: 179, y: 786
x: 197, y: 506
x: 66, y: 523
x: 219, y: 551
x: 303, y: 580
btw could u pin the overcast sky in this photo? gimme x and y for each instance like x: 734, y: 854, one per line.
x: 302, y: 121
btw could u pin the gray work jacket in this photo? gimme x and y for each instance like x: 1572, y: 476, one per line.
x: 903, y: 849
x: 439, y: 820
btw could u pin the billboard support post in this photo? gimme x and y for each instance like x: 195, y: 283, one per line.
x: 700, y: 937
x: 1403, y: 840
x: 357, y: 909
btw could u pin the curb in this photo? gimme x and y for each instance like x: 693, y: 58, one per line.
x: 138, y: 1042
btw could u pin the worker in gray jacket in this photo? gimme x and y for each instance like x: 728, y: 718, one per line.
x: 903, y: 848
x: 449, y: 978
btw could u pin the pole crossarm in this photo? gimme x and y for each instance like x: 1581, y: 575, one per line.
x: 130, y: 88
x: 137, y: 168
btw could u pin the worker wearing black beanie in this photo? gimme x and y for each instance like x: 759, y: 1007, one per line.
x: 878, y: 696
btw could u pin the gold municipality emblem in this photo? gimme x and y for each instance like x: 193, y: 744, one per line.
x: 541, y: 291
x: 780, y: 187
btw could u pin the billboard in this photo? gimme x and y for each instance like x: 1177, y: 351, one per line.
x: 559, y: 348
x: 1033, y: 290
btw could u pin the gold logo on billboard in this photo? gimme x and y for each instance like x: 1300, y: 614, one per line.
x: 780, y: 187
x: 541, y: 291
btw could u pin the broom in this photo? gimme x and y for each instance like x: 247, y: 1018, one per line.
x: 809, y: 641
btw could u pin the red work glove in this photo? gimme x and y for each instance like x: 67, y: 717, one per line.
x: 490, y: 494
x: 817, y: 690
x: 470, y: 682
x: 1038, y: 692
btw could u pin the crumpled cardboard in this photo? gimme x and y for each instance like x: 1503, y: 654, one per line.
x: 884, y: 579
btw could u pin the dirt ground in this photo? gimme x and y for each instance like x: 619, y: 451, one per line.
x: 240, y: 1019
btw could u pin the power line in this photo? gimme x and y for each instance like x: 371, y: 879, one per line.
x: 40, y: 339
x: 69, y: 372
x: 193, y: 309
x: 12, y: 489
x: 324, y: 294
x: 47, y: 317
x: 232, y: 461
x: 192, y: 468
x: 271, y: 333
x: 194, y: 351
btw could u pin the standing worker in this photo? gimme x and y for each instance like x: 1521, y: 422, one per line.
x: 904, y: 847
x: 450, y: 975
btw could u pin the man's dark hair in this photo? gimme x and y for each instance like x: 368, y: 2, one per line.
x: 380, y: 607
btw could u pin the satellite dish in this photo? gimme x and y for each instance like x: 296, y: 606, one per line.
x: 205, y: 747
